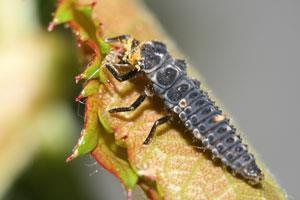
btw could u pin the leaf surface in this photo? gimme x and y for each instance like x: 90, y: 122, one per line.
x: 172, y: 159
x: 171, y: 166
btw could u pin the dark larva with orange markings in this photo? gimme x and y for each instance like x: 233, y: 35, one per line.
x: 184, y: 99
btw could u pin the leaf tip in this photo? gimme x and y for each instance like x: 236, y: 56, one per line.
x: 78, y: 78
x: 72, y: 156
x: 51, y: 26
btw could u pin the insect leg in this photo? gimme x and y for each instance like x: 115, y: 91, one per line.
x: 119, y: 38
x: 121, y: 77
x: 133, y: 106
x: 157, y: 123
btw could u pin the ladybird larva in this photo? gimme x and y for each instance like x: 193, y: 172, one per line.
x: 184, y: 99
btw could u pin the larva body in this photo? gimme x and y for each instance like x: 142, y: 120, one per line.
x: 183, y: 97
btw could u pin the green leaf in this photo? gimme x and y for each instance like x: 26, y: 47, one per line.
x: 92, y: 70
x: 104, y: 47
x: 103, y: 120
x: 170, y: 166
x: 89, y: 135
x: 62, y: 14
x: 113, y: 163
x: 86, y: 9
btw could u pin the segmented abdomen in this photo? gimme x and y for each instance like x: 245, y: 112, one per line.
x: 183, y: 96
x: 205, y: 121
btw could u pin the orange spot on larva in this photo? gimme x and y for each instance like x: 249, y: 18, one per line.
x: 218, y: 118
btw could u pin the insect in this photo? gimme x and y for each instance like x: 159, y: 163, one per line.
x: 184, y: 99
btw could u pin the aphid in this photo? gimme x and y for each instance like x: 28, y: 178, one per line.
x: 184, y: 99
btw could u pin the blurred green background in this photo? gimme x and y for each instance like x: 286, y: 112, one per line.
x: 39, y: 121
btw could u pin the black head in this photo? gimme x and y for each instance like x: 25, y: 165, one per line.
x: 153, y: 55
